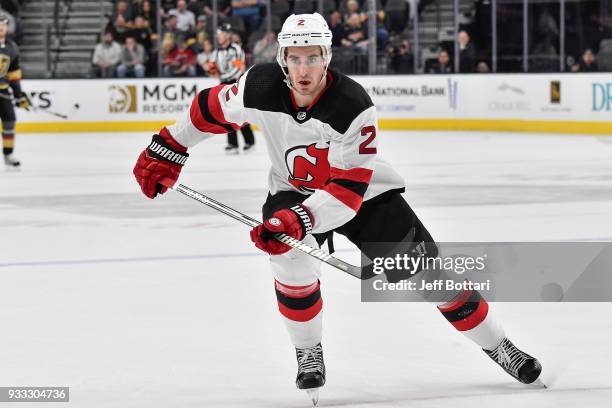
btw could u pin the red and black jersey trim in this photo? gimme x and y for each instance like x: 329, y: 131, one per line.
x: 205, y: 104
x: 349, y: 186
x: 356, y: 187
x: 467, y: 312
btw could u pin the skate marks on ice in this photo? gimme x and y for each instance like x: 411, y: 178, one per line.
x: 510, y: 395
x: 135, y: 205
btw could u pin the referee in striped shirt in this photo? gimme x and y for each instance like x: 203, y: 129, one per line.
x: 227, y: 62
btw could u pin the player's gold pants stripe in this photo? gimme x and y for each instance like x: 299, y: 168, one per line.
x: 8, y: 142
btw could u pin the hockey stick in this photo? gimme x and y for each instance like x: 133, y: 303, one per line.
x: 59, y: 115
x: 251, y: 222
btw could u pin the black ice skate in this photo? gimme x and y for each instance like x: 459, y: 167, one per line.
x: 311, y: 371
x: 231, y: 149
x: 518, y: 364
x: 11, y: 162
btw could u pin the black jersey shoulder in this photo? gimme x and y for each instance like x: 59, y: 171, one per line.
x: 265, y: 88
x: 342, y: 102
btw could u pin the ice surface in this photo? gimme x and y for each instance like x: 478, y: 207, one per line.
x: 140, y: 303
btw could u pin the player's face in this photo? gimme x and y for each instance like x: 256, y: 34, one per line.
x: 306, y: 66
x: 3, y: 29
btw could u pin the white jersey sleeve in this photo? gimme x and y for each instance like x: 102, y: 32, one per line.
x: 352, y: 159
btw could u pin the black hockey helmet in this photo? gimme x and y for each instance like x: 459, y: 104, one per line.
x: 225, y: 27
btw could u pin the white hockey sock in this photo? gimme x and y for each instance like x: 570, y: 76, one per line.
x: 469, y: 313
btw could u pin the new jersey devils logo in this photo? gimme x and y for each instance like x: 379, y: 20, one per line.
x: 308, y: 167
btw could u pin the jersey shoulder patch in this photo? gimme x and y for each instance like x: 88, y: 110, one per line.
x: 264, y: 87
x: 342, y: 103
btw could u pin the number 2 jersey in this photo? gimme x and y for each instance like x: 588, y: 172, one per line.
x: 326, y: 150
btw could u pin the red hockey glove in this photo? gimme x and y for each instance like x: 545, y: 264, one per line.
x: 296, y: 222
x: 163, y: 159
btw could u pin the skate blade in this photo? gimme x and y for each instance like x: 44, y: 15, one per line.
x: 539, y: 383
x: 13, y: 169
x: 313, y: 393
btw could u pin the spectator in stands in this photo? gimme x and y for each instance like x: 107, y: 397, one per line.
x: 202, y: 31
x: 121, y: 20
x: 106, y: 57
x: 483, y: 68
x: 249, y: 11
x: 587, y: 63
x: 467, y: 53
x: 142, y: 33
x: 337, y: 28
x: 186, y: 21
x: 544, y: 56
x: 382, y: 33
x: 132, y: 61
x: 204, y: 57
x: 168, y: 44
x: 546, y: 26
x: 147, y: 12
x: 402, y: 59
x: 122, y: 9
x: 442, y: 66
x: 352, y: 6
x: 181, y: 61
x: 604, y: 56
x: 224, y: 8
x: 170, y: 28
x: 355, y: 35
x: 265, y: 49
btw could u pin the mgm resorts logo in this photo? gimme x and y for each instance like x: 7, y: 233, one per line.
x: 122, y: 99
x: 151, y: 99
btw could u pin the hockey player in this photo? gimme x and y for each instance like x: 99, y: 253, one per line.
x: 228, y: 63
x: 10, y: 77
x: 325, y: 176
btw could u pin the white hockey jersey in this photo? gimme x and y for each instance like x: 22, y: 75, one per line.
x: 326, y: 150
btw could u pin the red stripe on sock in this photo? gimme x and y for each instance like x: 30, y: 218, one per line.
x: 474, y: 319
x: 301, y: 315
